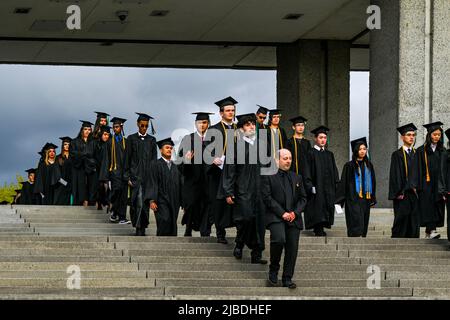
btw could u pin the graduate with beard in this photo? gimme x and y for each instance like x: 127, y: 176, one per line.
x: 63, y: 192
x: 404, y: 181
x: 84, y: 167
x: 48, y: 175
x: 298, y: 145
x: 432, y: 195
x: 112, y: 172
x: 357, y: 189
x: 163, y: 190
x: 28, y: 197
x: 241, y: 188
x: 220, y: 211
x: 141, y: 150
x: 101, y: 162
x: 321, y: 179
x: 195, y: 188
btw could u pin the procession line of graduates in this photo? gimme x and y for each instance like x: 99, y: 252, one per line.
x: 101, y: 168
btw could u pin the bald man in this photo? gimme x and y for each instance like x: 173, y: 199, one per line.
x: 285, y: 199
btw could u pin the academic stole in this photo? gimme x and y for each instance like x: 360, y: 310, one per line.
x: 273, y: 140
x: 406, y: 161
x: 226, y: 137
x: 426, y: 162
x: 368, y: 180
x: 296, y: 158
x: 113, y: 165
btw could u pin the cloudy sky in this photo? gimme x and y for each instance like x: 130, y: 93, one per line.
x: 41, y: 103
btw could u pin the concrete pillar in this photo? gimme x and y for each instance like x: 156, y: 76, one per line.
x: 405, y: 83
x: 313, y: 79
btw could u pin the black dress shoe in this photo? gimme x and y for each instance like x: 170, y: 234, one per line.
x: 272, y: 280
x: 222, y: 240
x: 237, y: 253
x: 289, y: 284
x: 258, y: 260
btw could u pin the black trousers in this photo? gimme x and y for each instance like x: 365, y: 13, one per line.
x: 119, y: 197
x: 283, y: 236
x: 246, y: 234
x: 448, y: 217
x: 406, y: 217
x: 139, y: 211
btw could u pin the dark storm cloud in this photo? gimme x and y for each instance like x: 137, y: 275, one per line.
x: 41, y: 103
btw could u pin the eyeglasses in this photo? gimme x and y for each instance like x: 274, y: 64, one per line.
x: 143, y: 126
x: 262, y: 117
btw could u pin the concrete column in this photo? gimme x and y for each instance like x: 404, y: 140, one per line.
x: 313, y: 79
x: 406, y: 77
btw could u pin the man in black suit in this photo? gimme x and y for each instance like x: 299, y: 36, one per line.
x: 285, y: 198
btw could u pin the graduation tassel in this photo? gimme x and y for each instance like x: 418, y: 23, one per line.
x: 426, y: 163
x: 296, y: 158
x: 153, y: 129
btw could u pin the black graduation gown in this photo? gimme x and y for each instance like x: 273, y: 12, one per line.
x: 273, y: 137
x: 445, y: 187
x: 243, y: 181
x: 112, y: 170
x: 139, y: 154
x: 299, y: 149
x: 195, y: 188
x: 63, y: 193
x: 219, y: 209
x: 431, y: 202
x: 164, y: 187
x: 357, y: 210
x: 47, y: 180
x: 101, y: 162
x: 406, y: 211
x: 84, y: 171
x: 322, y: 174
x: 27, y: 195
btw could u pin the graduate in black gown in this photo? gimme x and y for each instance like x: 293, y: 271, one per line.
x: 276, y: 135
x: 101, y: 121
x: 141, y: 151
x: 27, y: 195
x: 432, y: 195
x: 357, y: 189
x: 163, y: 191
x: 63, y: 192
x: 298, y: 145
x: 101, y: 162
x: 195, y: 188
x: 48, y: 175
x: 241, y: 185
x: 84, y: 167
x: 446, y: 180
x: 218, y: 137
x: 404, y: 181
x: 112, y: 171
x: 321, y: 179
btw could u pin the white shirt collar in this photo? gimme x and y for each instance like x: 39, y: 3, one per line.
x: 167, y: 161
x: 406, y: 148
x: 250, y: 140
x: 201, y: 136
x: 317, y: 147
x: 142, y: 135
x: 227, y: 124
x: 433, y: 146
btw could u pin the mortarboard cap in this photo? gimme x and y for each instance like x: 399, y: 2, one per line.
x: 86, y: 124
x: 244, y: 118
x: 143, y: 116
x: 202, y: 115
x: 101, y: 114
x: 433, y: 126
x: 275, y: 112
x: 49, y: 146
x: 32, y: 170
x: 167, y: 141
x: 298, y: 119
x: 65, y: 139
x: 117, y: 120
x: 228, y: 101
x: 106, y: 129
x: 406, y: 128
x: 319, y: 130
x: 447, y: 133
x: 357, y: 142
x: 262, y: 109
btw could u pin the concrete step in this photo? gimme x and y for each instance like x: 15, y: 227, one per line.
x: 412, y: 274
x: 60, y: 252
x: 428, y: 283
x: 394, y: 247
x: 84, y: 283
x: 44, y: 274
x: 36, y: 237
x: 67, y: 259
x: 442, y: 293
x: 62, y: 266
x: 214, y: 275
x: 399, y: 254
x: 284, y: 292
x: 405, y: 261
x: 258, y: 283
x: 57, y: 245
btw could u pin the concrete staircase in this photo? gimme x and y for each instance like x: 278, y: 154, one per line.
x: 39, y: 244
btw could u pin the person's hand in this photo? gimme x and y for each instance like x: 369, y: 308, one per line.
x: 189, y: 155
x: 230, y: 200
x: 292, y: 216
x: 401, y: 197
x: 130, y: 183
x: 153, y: 206
x: 217, y: 161
x: 286, y: 216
